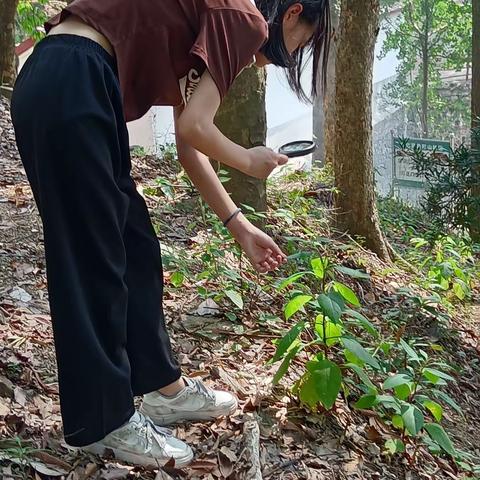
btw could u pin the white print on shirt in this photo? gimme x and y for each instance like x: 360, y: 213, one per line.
x: 189, y: 83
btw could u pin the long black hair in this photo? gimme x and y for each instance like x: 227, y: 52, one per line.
x: 315, y: 12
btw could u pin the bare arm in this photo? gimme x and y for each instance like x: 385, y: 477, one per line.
x: 262, y: 251
x: 202, y: 174
x: 195, y: 127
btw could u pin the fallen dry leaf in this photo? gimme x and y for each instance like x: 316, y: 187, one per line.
x: 225, y: 465
x: 51, y: 460
x: 115, y: 473
x: 50, y: 470
x: 20, y: 294
x: 4, y: 408
x: 373, y: 434
x: 20, y: 396
x: 90, y: 469
x: 6, y: 387
x: 208, y: 307
x: 203, y: 465
x: 229, y: 454
x: 234, y: 384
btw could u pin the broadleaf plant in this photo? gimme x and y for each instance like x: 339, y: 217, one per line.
x: 343, y: 351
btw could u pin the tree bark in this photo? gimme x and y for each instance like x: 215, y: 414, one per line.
x: 476, y: 66
x: 425, y: 39
x: 8, y: 70
x: 475, y: 230
x: 242, y: 118
x: 424, y: 115
x: 356, y: 210
x: 324, y: 106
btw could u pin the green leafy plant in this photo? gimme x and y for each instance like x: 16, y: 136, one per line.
x: 20, y: 452
x: 450, y: 265
x: 407, y: 308
x: 29, y: 20
x: 168, y: 151
x: 344, y: 352
x: 330, y: 326
x: 401, y: 222
x: 446, y: 263
x: 221, y: 259
x: 213, y: 268
x: 411, y: 393
x: 138, y: 151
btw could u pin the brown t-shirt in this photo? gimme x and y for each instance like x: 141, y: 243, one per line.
x: 163, y: 46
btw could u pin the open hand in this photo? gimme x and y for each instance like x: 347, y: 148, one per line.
x: 264, y: 254
x: 262, y: 161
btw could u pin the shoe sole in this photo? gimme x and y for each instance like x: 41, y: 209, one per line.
x: 136, y: 459
x: 179, y: 417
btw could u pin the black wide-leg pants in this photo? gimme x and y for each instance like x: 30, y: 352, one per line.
x: 103, y: 259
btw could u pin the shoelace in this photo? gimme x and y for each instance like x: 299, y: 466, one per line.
x: 150, y: 432
x: 200, y: 388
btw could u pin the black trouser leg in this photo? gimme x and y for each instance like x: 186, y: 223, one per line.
x: 99, y: 247
x: 148, y: 345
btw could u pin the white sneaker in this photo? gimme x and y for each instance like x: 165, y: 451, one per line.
x: 195, y: 402
x: 141, y: 442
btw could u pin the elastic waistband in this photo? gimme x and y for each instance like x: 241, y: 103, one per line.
x: 77, y: 41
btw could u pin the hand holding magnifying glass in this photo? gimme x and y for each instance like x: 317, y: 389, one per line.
x: 262, y: 160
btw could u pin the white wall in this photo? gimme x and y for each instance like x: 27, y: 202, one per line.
x: 152, y: 130
x: 141, y: 132
x: 23, y: 58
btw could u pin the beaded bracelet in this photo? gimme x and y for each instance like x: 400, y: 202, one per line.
x: 232, y: 216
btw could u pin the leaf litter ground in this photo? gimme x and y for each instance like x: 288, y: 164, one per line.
x: 270, y: 436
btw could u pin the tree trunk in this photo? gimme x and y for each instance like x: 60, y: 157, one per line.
x: 475, y: 230
x: 319, y: 126
x: 425, y: 39
x: 424, y: 113
x: 242, y: 118
x: 356, y: 210
x: 324, y: 106
x: 476, y: 66
x: 8, y: 70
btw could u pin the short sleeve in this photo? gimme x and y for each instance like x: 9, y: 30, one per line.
x: 227, y: 41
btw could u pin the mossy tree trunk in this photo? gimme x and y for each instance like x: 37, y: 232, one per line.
x: 356, y: 210
x: 242, y: 118
x: 8, y: 69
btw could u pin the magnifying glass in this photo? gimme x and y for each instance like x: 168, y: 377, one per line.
x: 299, y: 148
